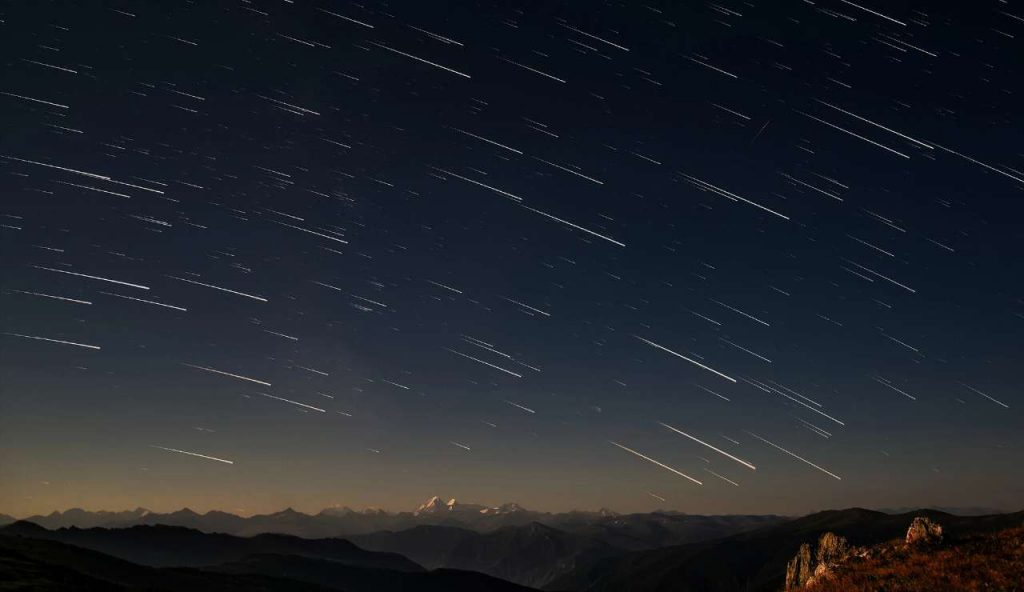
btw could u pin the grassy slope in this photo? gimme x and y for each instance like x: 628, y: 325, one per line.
x: 990, y: 563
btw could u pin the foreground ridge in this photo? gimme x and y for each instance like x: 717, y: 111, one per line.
x: 924, y: 561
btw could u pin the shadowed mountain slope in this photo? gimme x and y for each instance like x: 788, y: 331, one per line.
x: 537, y: 553
x: 42, y: 565
x: 756, y: 560
x: 28, y: 563
x: 172, y: 546
x: 357, y: 579
x: 980, y: 563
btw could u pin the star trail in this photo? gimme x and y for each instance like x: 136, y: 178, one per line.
x: 384, y: 249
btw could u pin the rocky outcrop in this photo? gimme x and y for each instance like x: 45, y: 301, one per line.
x: 805, y: 569
x: 976, y: 562
x: 831, y: 549
x: 822, y: 561
x: 799, y: 570
x: 924, y: 531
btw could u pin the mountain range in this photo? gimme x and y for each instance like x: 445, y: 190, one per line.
x: 509, y: 542
x: 633, y: 531
x: 450, y: 546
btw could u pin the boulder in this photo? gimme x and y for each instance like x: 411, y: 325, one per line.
x: 924, y: 531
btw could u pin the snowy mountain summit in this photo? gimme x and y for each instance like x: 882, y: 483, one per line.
x: 436, y: 505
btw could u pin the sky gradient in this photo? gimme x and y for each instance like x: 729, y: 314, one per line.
x: 374, y: 252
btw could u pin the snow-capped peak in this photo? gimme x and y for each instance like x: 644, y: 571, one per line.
x: 435, y: 505
x: 508, y: 508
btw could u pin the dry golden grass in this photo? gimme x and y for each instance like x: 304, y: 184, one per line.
x: 986, y: 563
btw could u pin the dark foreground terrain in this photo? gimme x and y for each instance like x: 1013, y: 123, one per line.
x: 527, y: 548
x: 977, y: 551
x: 979, y: 563
x: 756, y: 561
x: 39, y: 564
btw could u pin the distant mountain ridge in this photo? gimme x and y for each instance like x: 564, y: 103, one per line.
x: 547, y: 549
x: 956, y: 510
x: 509, y: 542
x: 332, y: 522
x: 577, y: 551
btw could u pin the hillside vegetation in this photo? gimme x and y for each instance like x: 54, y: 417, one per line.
x: 981, y: 563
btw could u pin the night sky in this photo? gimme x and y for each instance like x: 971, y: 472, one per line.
x: 364, y: 253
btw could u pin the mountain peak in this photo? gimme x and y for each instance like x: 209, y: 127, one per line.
x: 435, y: 505
x: 185, y: 512
x: 23, y: 527
x: 508, y: 508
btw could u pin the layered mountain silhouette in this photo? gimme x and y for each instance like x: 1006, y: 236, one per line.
x: 576, y: 551
x: 50, y: 566
x: 631, y: 531
x: 326, y: 523
x: 532, y: 555
x: 755, y: 561
x: 539, y: 552
x: 33, y: 558
x: 506, y: 541
x: 167, y: 546
x: 352, y: 579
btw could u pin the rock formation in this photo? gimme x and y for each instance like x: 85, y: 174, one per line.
x: 821, y: 562
x: 798, y: 570
x: 924, y: 531
x: 804, y: 570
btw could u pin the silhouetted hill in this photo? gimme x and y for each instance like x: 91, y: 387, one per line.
x: 753, y: 561
x: 355, y: 579
x: 39, y: 565
x: 638, y: 532
x: 531, y: 555
x: 442, y: 534
x: 956, y: 510
x: 24, y: 528
x: 427, y: 545
x: 537, y: 553
x: 167, y: 546
x: 35, y: 564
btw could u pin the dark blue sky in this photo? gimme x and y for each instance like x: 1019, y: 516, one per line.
x: 448, y: 225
